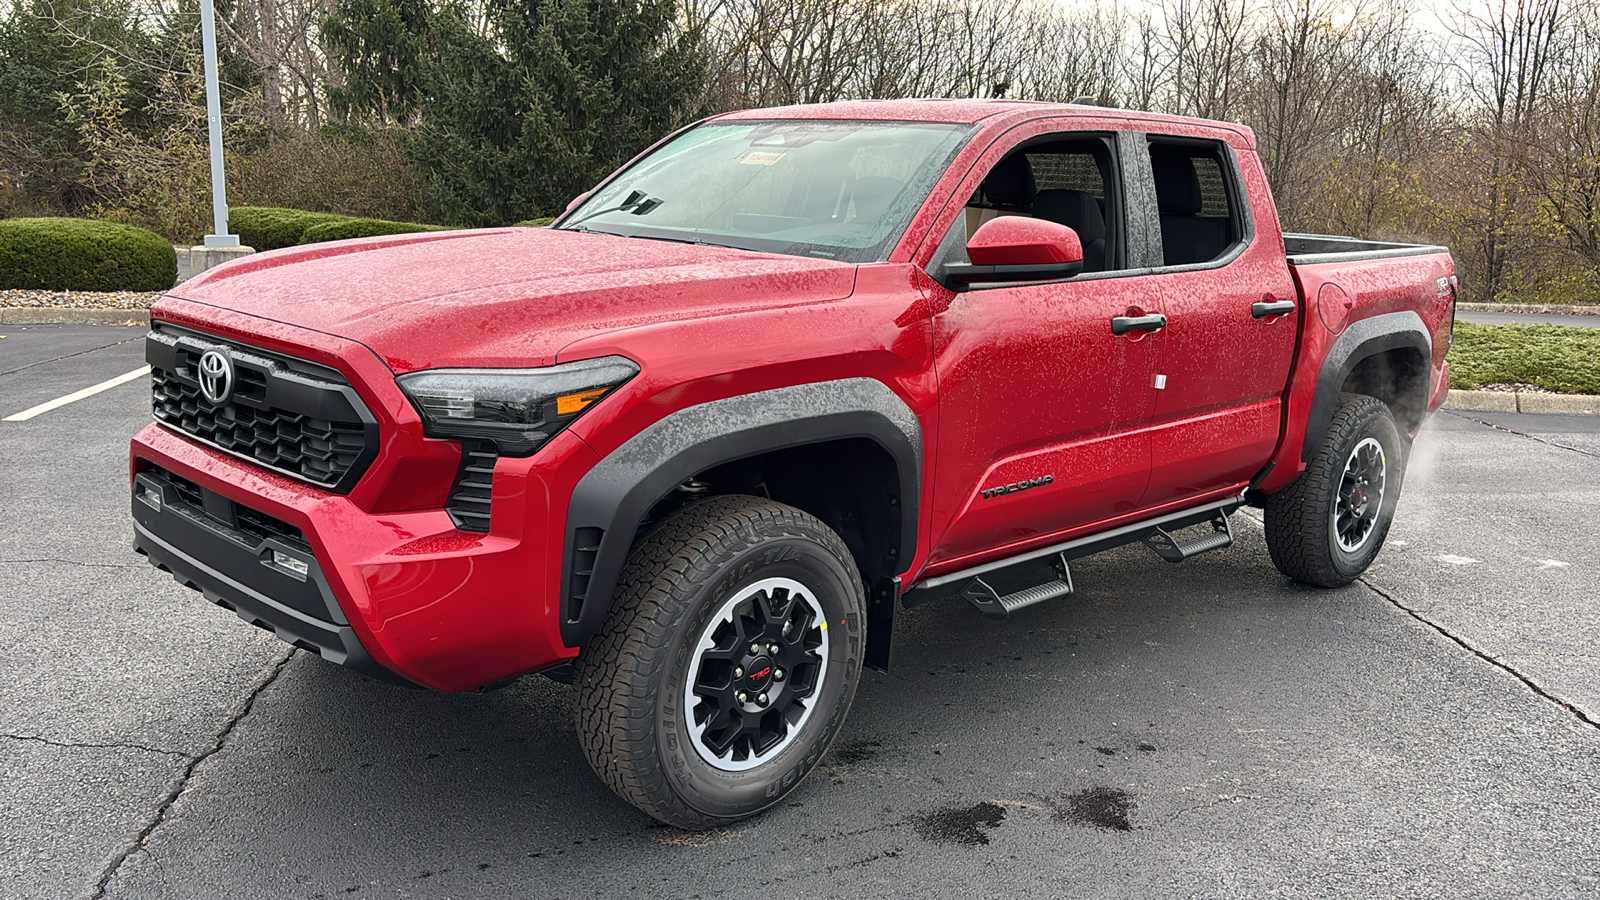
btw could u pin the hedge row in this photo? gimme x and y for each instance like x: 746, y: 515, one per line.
x: 83, y: 255
x: 271, y: 227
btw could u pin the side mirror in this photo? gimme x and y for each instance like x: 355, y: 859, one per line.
x: 1017, y: 248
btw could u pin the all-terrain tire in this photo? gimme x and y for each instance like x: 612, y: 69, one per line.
x: 637, y: 678
x: 1313, y: 532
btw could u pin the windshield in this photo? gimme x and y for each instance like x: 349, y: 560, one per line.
x: 839, y: 190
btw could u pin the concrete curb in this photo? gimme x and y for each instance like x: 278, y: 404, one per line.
x: 47, y: 315
x: 1521, y: 402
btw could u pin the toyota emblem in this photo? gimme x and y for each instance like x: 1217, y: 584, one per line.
x: 216, y: 377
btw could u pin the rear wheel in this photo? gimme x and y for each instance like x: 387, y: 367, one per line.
x: 1327, y: 527
x: 726, y: 664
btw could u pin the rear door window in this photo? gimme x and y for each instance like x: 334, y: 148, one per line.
x: 1196, y: 190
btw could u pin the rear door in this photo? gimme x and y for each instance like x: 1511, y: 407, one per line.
x: 1232, y: 318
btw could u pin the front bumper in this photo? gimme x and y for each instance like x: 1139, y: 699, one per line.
x: 403, y: 596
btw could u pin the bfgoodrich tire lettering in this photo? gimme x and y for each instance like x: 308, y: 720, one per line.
x: 633, y: 677
x: 1327, y: 527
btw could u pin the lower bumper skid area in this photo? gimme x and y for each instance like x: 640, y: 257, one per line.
x: 243, y: 560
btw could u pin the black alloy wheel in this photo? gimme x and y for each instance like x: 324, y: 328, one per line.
x: 756, y: 671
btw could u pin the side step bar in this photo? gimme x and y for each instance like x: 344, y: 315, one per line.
x: 998, y: 606
x: 1174, y: 550
x: 1156, y: 533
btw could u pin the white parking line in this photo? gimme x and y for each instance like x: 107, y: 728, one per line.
x: 75, y: 396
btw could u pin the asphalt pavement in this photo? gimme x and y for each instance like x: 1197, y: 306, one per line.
x: 1202, y: 730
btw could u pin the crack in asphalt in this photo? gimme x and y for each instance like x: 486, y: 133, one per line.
x: 71, y: 562
x: 1522, y: 434
x: 1462, y: 642
x: 1502, y: 666
x: 242, y: 710
x: 44, y: 362
x: 75, y: 745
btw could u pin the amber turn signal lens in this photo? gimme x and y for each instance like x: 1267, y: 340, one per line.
x: 572, y: 404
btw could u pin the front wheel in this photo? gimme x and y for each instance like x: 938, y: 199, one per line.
x: 726, y: 664
x: 1327, y: 527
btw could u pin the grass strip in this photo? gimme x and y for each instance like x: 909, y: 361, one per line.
x: 1554, y: 357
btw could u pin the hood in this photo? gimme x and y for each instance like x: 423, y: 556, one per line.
x: 505, y: 297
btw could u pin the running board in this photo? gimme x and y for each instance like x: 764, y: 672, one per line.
x: 957, y: 583
x: 1175, y: 550
x: 997, y: 606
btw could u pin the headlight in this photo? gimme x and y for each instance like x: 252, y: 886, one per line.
x: 518, y: 409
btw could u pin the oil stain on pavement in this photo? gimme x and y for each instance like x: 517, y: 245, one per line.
x: 850, y: 753
x: 1101, y: 807
x: 960, y: 824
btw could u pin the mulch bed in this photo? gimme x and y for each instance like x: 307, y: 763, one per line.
x: 78, y: 299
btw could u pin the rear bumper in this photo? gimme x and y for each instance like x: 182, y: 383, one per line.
x: 404, y: 596
x: 1441, y: 388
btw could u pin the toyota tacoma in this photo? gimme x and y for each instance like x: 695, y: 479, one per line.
x: 786, y: 372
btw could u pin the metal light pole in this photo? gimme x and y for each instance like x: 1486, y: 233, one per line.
x: 219, y: 189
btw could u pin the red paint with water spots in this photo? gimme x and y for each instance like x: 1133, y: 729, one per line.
x: 1008, y: 383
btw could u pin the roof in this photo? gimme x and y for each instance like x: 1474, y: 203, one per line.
x: 987, y: 112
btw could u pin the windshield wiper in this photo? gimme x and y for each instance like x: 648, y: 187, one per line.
x: 637, y: 202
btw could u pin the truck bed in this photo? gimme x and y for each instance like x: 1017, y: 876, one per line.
x: 1313, y: 249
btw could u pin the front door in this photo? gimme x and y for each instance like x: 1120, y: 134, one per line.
x: 1043, y: 411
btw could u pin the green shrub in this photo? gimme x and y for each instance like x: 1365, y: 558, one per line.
x: 536, y: 223
x: 83, y: 255
x: 356, y: 171
x: 271, y: 227
x: 355, y: 228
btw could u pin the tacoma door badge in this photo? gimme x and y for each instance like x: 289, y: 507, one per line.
x: 1015, y: 486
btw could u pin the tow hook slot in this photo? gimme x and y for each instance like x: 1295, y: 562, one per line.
x: 1175, y: 550
x: 997, y: 606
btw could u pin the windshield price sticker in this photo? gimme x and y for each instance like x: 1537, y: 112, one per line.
x: 762, y: 157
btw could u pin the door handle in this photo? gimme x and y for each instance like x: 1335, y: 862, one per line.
x: 1272, y: 308
x: 1125, y: 324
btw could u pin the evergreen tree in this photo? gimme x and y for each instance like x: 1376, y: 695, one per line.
x: 513, y: 107
x: 48, y: 50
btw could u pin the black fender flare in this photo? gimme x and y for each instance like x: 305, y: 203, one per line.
x: 1361, y: 340
x: 610, y: 500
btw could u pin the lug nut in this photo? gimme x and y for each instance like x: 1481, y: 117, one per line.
x: 777, y: 674
x: 762, y: 699
x: 773, y: 648
x: 738, y: 672
x: 742, y: 697
x: 755, y: 649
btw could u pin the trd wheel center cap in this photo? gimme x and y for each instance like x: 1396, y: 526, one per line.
x: 760, y: 676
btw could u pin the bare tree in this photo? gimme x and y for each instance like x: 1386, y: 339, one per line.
x: 1509, y: 51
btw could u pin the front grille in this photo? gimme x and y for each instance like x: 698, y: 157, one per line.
x: 289, y: 415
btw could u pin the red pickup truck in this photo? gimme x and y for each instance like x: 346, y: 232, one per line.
x: 785, y: 372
